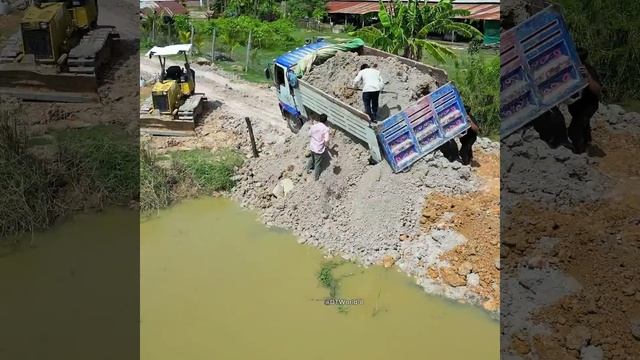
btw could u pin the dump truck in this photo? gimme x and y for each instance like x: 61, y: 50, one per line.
x: 58, y: 54
x: 174, y: 107
x: 539, y: 69
x: 403, y: 138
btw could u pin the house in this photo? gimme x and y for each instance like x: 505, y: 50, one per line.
x: 485, y: 13
x: 167, y: 7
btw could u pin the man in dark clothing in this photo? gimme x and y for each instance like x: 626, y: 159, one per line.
x: 467, y: 141
x: 583, y: 109
x: 465, y: 154
x: 552, y: 128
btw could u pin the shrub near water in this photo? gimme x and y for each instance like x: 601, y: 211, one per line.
x: 209, y: 172
x: 185, y: 174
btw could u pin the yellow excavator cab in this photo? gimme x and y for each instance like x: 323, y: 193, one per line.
x: 44, y: 30
x: 173, y: 108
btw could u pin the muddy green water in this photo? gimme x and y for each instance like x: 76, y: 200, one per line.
x: 71, y: 293
x: 216, y: 284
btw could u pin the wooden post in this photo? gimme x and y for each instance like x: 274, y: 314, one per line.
x: 192, y: 32
x: 213, y: 45
x: 248, y: 50
x: 253, y: 140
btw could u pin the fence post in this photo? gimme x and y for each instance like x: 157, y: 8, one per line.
x: 253, y: 140
x: 192, y: 32
x: 213, y: 45
x: 248, y: 50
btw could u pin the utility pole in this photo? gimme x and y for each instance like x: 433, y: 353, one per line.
x: 248, y: 50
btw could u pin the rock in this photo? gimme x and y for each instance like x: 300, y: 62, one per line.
x: 278, y: 191
x: 465, y: 268
x: 287, y: 186
x: 388, y: 261
x: 452, y: 278
x: 404, y: 237
x: 473, y: 279
x: 497, y: 264
x: 202, y: 61
x: 490, y: 305
x: 520, y: 346
x: 635, y: 329
x: 578, y: 337
x: 591, y: 353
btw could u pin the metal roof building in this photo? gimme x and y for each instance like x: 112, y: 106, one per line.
x: 480, y: 9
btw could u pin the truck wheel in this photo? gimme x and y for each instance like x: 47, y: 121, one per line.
x: 294, y: 122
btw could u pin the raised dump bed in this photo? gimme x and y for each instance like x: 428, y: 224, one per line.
x: 404, y: 137
x: 539, y: 69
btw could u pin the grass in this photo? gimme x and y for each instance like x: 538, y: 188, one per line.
x: 93, y: 167
x: 327, y: 279
x: 184, y: 174
x: 104, y: 159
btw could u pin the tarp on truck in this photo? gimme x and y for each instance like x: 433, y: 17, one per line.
x: 306, y: 63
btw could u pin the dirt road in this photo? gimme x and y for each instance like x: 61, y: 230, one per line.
x: 233, y: 96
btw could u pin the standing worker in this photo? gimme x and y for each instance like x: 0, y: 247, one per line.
x: 372, y: 84
x: 467, y: 141
x: 583, y: 109
x: 318, y: 142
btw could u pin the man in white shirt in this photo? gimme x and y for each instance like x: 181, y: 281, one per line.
x: 372, y: 84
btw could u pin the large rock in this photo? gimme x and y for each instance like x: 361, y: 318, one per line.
x: 578, y: 337
x: 452, y: 278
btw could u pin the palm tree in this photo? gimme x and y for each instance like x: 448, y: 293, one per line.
x: 403, y: 29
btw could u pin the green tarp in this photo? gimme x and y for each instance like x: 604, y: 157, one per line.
x: 491, y: 32
x: 305, y: 64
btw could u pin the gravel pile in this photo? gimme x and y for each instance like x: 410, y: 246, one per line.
x: 357, y: 211
x: 405, y: 83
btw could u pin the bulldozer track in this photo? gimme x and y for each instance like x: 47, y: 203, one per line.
x: 192, y: 108
x: 12, y: 49
x: 92, y: 52
x: 182, y: 124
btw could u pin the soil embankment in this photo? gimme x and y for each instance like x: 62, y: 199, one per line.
x: 360, y: 212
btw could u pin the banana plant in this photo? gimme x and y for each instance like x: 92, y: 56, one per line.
x: 404, y: 27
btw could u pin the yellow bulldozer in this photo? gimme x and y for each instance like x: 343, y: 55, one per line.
x: 174, y: 107
x: 58, y: 54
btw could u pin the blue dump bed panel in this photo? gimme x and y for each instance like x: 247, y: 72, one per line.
x: 539, y: 69
x: 423, y: 127
x: 292, y: 57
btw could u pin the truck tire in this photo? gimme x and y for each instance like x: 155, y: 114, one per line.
x: 294, y: 122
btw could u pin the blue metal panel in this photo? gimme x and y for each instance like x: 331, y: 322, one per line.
x: 292, y: 57
x: 423, y: 127
x: 539, y: 69
x: 290, y: 109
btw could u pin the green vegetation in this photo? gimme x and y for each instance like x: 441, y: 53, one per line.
x: 103, y: 159
x: 183, y: 174
x: 327, y: 279
x: 209, y: 172
x: 403, y: 30
x: 610, y: 33
x: 478, y: 80
x: 73, y: 170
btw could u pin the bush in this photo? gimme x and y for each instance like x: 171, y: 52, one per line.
x: 185, y: 174
x: 155, y: 187
x: 611, y: 35
x: 209, y: 172
x: 478, y: 81
x: 101, y: 160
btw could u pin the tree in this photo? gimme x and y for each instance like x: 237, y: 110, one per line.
x: 300, y: 9
x: 403, y: 29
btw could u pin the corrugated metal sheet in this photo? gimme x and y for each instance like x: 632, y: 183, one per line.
x: 168, y: 7
x: 292, y: 57
x: 347, y: 7
x: 479, y: 11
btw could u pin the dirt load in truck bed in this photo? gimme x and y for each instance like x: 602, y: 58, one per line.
x: 405, y: 83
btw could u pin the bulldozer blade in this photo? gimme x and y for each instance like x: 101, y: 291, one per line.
x: 33, y: 85
x: 166, y: 126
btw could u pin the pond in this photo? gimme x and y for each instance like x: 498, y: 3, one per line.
x: 217, y: 284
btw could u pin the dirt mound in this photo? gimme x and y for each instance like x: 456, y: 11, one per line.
x: 570, y: 243
x: 358, y: 211
x: 405, y: 84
